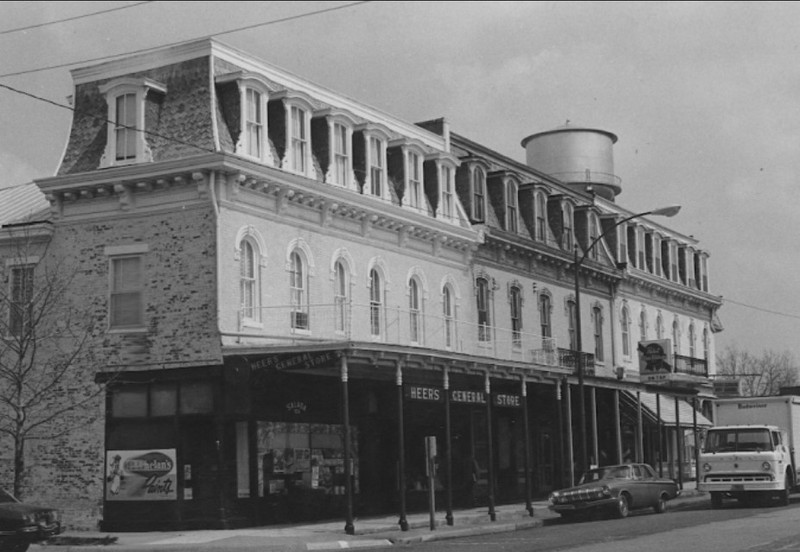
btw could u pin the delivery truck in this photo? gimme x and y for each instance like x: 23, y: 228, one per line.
x: 751, y: 451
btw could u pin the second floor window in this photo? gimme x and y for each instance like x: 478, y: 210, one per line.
x: 254, y: 123
x: 515, y: 298
x: 127, y: 287
x: 21, y: 305
x: 448, y: 313
x: 626, y: 332
x: 675, y: 338
x: 692, y: 338
x: 340, y: 300
x: 643, y: 326
x: 573, y: 344
x: 484, y: 317
x: 298, y: 280
x: 376, y: 167
x: 375, y: 302
x: 414, y: 310
x: 248, y: 281
x: 299, y: 140
x: 597, y: 315
x: 660, y: 327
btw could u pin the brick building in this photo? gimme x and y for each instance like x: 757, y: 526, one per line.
x: 294, y: 289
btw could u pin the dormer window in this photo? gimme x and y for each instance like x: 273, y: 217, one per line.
x: 566, y: 237
x: 448, y: 199
x: 341, y: 154
x: 243, y: 100
x: 126, y: 141
x: 299, y: 139
x: 332, y: 142
x: 377, y: 170
x: 414, y: 187
x: 541, y: 217
x: 478, y: 195
x: 512, y: 209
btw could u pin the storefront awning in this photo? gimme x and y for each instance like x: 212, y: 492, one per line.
x: 668, y: 418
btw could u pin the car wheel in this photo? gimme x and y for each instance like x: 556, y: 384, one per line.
x: 661, y: 505
x: 623, y: 506
x: 716, y: 501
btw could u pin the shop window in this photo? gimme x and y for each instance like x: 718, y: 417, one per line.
x: 163, y: 399
x: 129, y: 402
x: 20, y: 308
x: 197, y: 398
x: 127, y: 293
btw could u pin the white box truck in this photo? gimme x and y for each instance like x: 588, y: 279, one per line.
x: 751, y: 450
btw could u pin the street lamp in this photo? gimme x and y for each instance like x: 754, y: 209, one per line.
x: 670, y: 211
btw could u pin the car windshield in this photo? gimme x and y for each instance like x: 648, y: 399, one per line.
x: 738, y: 440
x: 610, y: 472
x: 6, y: 497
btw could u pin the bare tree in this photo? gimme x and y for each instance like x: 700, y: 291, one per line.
x: 762, y: 375
x: 46, y: 359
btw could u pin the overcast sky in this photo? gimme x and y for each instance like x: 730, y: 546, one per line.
x: 703, y: 96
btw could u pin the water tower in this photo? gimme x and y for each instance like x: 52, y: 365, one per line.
x: 579, y: 156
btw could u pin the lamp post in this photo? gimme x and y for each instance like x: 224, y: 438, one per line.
x: 664, y: 212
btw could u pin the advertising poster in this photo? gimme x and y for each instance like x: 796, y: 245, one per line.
x: 141, y: 475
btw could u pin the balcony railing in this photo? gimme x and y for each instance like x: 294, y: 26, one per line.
x: 691, y: 366
x: 381, y: 324
x: 568, y: 358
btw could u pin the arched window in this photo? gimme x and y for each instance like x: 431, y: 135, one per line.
x: 597, y: 317
x: 484, y: 316
x: 626, y: 331
x: 298, y: 283
x: 414, y: 310
x: 643, y: 326
x: 660, y: 327
x: 692, y: 337
x: 448, y: 312
x: 675, y: 337
x: 573, y: 344
x: 544, y: 315
x: 515, y: 299
x: 706, y: 344
x: 340, y: 297
x: 248, y: 281
x: 375, y: 302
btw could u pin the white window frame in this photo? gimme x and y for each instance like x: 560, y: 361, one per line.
x: 483, y: 298
x: 248, y: 281
x: 415, y: 311
x: 299, y: 292
x: 341, y: 296
x: 414, y: 180
x: 246, y: 83
x: 448, y: 315
x: 376, y: 167
x: 341, y: 153
x: 299, y: 139
x: 376, y: 303
x: 119, y: 88
x: 515, y: 304
x: 540, y: 203
x: 478, y: 194
x: 625, y: 323
x: 447, y: 193
x: 512, y: 206
x: 17, y: 323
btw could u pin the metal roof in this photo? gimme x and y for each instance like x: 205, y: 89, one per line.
x: 23, y: 203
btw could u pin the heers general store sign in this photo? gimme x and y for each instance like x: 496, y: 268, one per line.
x: 460, y: 396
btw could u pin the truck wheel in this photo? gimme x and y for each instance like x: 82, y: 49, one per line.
x: 784, y: 494
x: 661, y: 505
x: 716, y: 501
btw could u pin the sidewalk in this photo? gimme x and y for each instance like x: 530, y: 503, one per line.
x: 369, y: 532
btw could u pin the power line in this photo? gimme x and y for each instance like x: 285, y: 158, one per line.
x: 787, y: 315
x: 73, y: 18
x: 106, y: 120
x: 152, y: 48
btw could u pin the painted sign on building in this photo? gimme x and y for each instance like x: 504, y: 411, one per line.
x: 141, y: 475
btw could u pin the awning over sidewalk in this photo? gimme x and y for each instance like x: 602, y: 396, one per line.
x: 668, y: 418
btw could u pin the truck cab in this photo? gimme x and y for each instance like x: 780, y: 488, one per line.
x: 745, y: 461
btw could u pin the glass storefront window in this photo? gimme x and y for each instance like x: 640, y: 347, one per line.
x: 129, y: 402
x: 197, y: 398
x: 163, y: 399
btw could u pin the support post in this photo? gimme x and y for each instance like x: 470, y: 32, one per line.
x: 679, y: 442
x: 348, y: 453
x: 660, y: 427
x: 526, y: 430
x: 449, y: 444
x: 489, y: 435
x: 401, y: 444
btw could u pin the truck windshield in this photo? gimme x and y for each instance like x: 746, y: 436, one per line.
x: 738, y: 440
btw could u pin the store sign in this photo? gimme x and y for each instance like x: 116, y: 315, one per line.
x: 507, y: 401
x: 422, y: 393
x: 141, y: 475
x: 655, y: 360
x: 467, y: 397
x: 302, y: 361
